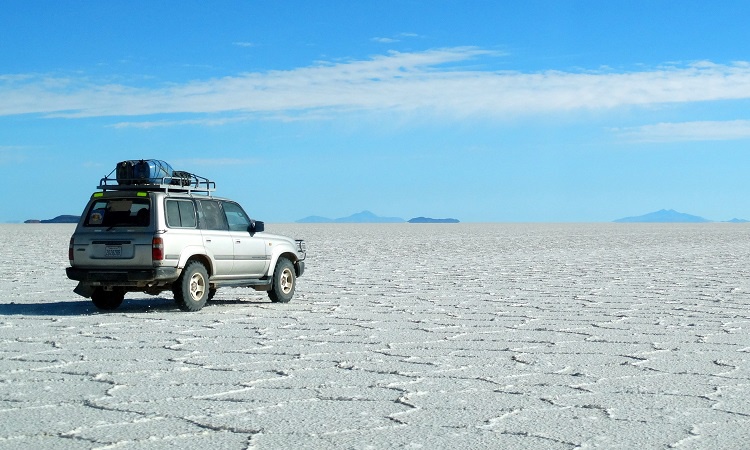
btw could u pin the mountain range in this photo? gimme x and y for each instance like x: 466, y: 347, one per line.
x: 370, y: 217
x: 670, y: 216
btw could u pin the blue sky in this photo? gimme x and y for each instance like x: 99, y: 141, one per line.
x: 486, y: 111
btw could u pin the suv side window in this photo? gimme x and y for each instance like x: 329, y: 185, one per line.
x: 236, y: 217
x: 181, y: 214
x: 211, y: 217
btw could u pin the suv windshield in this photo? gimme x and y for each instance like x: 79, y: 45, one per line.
x: 119, y: 212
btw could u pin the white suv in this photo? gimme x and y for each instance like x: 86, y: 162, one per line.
x: 171, y: 234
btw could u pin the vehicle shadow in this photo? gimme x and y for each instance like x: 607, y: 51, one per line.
x: 129, y: 306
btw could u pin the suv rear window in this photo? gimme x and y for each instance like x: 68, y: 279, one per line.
x: 119, y: 212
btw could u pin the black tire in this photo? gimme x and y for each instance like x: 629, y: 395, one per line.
x: 191, y: 289
x: 284, y: 282
x: 108, y: 300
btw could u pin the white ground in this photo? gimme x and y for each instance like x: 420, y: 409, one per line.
x: 417, y: 336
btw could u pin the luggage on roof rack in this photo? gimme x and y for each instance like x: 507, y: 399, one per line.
x: 143, y: 171
x: 181, y: 178
x: 153, y: 174
x: 151, y: 171
x: 124, y: 171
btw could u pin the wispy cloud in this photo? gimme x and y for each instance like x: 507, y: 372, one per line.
x: 200, y: 162
x: 13, y: 154
x: 688, y: 131
x: 244, y: 44
x: 208, y: 121
x: 384, y: 40
x: 449, y: 82
x: 397, y: 38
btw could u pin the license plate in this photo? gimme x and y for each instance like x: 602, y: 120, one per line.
x: 113, y: 251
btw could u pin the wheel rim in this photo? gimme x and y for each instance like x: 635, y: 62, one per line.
x: 286, y: 282
x: 197, y: 286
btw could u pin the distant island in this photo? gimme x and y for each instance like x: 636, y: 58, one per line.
x: 58, y: 219
x: 670, y: 216
x: 370, y: 217
x: 361, y: 217
x: 431, y: 220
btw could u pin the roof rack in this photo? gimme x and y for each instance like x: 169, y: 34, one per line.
x: 179, y: 182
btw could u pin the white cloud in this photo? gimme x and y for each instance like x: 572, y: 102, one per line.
x: 384, y: 40
x: 215, y: 162
x: 397, y: 38
x: 444, y: 82
x: 688, y: 131
x: 210, y: 122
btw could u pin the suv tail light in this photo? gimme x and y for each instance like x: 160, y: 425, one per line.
x: 70, y: 251
x: 157, y: 249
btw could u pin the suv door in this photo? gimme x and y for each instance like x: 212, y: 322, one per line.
x: 250, y: 253
x: 216, y: 236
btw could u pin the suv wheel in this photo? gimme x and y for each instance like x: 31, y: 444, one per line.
x: 284, y: 281
x: 191, y: 289
x: 108, y: 300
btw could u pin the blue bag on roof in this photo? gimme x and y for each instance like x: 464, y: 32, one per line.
x: 152, y: 171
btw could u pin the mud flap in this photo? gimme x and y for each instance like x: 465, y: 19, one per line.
x: 84, y: 290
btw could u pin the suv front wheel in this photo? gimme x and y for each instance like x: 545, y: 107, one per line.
x: 191, y: 289
x: 284, y: 281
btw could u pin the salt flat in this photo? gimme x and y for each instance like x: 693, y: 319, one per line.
x: 417, y: 336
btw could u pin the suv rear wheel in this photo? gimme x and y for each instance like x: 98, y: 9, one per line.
x: 191, y: 289
x: 284, y: 281
x: 108, y: 300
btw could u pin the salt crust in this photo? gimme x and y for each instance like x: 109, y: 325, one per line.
x: 400, y: 335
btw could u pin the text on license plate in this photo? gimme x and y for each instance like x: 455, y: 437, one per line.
x: 113, y: 251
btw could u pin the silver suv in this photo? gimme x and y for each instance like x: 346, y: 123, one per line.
x: 172, y: 234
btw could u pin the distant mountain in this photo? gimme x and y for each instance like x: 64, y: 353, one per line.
x: 315, y: 219
x: 361, y: 217
x: 431, y: 220
x: 58, y: 219
x: 664, y: 216
x: 368, y: 217
x: 738, y: 221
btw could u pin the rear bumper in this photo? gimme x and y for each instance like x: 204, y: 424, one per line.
x: 125, y: 277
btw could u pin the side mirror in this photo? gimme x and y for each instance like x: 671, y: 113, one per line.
x: 256, y: 226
